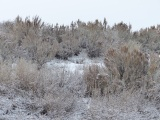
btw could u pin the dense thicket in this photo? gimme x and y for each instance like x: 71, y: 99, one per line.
x: 127, y: 73
x: 34, y: 40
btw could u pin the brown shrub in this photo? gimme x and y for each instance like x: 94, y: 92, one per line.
x: 96, y: 80
x: 129, y: 64
x: 45, y: 52
x: 31, y: 80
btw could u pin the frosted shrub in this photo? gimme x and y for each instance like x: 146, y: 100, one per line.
x: 97, y: 81
x: 128, y: 64
x: 26, y: 75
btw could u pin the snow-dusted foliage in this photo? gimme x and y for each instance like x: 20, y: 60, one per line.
x: 78, y: 72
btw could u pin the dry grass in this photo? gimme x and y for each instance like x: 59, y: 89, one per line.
x: 5, y: 72
x: 51, y: 92
x: 27, y: 75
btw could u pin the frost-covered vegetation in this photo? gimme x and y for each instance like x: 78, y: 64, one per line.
x: 82, y: 71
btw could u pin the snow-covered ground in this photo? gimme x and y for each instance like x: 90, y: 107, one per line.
x: 76, y: 63
x: 13, y: 107
x: 16, y: 107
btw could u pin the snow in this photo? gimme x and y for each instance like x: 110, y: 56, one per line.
x: 75, y: 63
x: 13, y: 107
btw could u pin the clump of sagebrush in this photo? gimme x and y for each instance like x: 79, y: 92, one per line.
x: 130, y: 65
x: 26, y: 75
x: 27, y: 39
x: 48, y: 87
x: 24, y: 38
x: 49, y: 90
x: 97, y: 81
